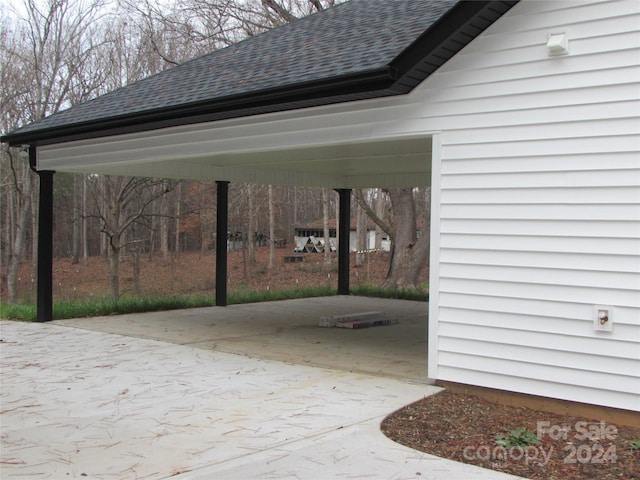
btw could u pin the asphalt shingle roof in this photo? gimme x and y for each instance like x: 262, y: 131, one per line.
x: 348, y: 45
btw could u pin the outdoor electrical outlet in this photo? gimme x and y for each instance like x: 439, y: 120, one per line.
x: 603, y: 318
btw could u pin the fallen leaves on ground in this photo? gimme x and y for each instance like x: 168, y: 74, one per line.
x: 464, y: 428
x: 193, y: 273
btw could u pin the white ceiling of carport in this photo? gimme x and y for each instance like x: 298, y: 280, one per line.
x: 375, y: 162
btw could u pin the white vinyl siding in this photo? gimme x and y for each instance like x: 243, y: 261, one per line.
x: 540, y: 205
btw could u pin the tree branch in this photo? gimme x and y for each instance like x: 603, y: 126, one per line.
x: 279, y: 10
x: 371, y: 214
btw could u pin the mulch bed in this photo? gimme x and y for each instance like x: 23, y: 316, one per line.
x: 464, y: 428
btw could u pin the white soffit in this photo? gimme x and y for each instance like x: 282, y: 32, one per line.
x: 308, y: 157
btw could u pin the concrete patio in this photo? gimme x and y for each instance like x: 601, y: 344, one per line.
x: 251, y: 391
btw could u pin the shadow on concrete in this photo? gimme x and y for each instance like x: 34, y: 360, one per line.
x: 288, y: 331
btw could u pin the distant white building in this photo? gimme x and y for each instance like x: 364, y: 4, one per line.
x: 309, y: 238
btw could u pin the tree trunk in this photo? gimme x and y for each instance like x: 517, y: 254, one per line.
x: 7, y: 234
x: 164, y: 224
x: 102, y: 207
x: 361, y: 236
x: 203, y: 228
x: 251, y: 234
x: 176, y: 246
x: 325, y: 226
x: 114, y: 270
x: 19, y: 240
x: 35, y: 211
x: 272, y: 245
x: 75, y: 228
x: 295, y: 206
x: 136, y: 269
x: 153, y: 235
x: 113, y: 238
x: 410, y: 254
x: 379, y: 209
x: 85, y: 236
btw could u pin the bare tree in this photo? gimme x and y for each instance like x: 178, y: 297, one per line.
x: 180, y: 31
x: 361, y: 236
x: 164, y: 220
x: 379, y: 206
x: 126, y: 202
x: 198, y: 218
x: 177, y: 218
x: 23, y: 185
x: 76, y: 221
x: 272, y: 240
x: 270, y: 13
x: 325, y: 226
x: 85, y: 225
x: 251, y: 233
x: 44, y: 54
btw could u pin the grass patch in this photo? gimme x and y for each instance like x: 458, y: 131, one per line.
x: 248, y: 296
x: 399, y: 294
x: 18, y: 311
x: 63, y: 309
x: 77, y: 309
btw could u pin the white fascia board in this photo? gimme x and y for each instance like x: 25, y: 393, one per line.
x: 357, y: 130
x: 434, y: 262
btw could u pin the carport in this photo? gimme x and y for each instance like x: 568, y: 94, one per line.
x: 324, y: 101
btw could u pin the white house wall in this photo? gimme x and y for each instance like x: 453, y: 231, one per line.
x: 539, y: 205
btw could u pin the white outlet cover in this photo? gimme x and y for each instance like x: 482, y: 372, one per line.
x: 608, y: 326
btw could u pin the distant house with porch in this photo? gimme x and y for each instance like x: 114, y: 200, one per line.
x: 309, y: 238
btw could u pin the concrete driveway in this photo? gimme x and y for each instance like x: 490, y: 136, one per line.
x: 81, y: 402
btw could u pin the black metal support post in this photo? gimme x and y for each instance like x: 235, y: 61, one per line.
x: 45, y: 246
x: 343, y: 242
x: 222, y: 228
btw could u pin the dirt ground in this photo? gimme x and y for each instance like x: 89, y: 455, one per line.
x: 194, y: 273
x: 464, y: 428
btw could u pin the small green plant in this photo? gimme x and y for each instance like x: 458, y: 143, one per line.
x: 634, y: 444
x: 520, y: 437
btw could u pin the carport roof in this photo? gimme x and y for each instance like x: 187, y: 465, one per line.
x: 357, y: 50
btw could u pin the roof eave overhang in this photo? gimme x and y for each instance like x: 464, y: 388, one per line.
x: 445, y: 38
x: 359, y: 86
x: 465, y: 21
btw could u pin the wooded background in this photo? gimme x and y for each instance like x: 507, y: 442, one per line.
x: 58, y: 53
